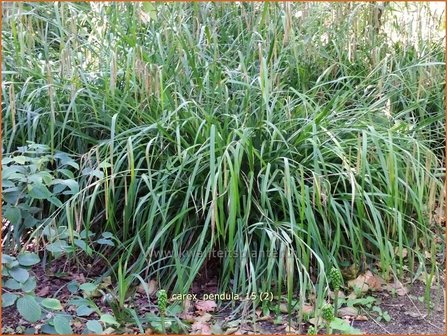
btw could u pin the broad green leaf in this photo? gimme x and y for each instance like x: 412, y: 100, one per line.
x: 94, y: 326
x: 53, y: 304
x: 83, y: 246
x: 62, y: 325
x: 84, y: 311
x: 344, y: 327
x: 39, y: 191
x: 109, y: 319
x: 103, y: 241
x: 7, y: 259
x: 88, y: 287
x: 13, y: 284
x: 55, y: 201
x: 20, y: 274
x: 71, y: 184
x: 29, y: 285
x: 21, y: 159
x: 73, y: 286
x: 107, y: 235
x: 8, y: 299
x: 14, y: 215
x: 48, y: 329
x: 28, y: 259
x: 58, y: 246
x: 28, y: 308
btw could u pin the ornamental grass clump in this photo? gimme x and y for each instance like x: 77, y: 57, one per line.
x: 259, y: 130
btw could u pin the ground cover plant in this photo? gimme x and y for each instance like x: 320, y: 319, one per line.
x: 289, y: 157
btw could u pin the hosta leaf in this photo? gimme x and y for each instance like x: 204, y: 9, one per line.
x: 53, y: 304
x: 7, y: 259
x: 62, y: 325
x: 84, y: 311
x: 58, y: 246
x: 94, y: 326
x: 28, y: 308
x: 83, y: 246
x: 108, y: 319
x: 28, y: 259
x: 19, y: 274
x: 13, y: 284
x: 88, y: 287
x: 29, y: 285
x: 103, y: 241
x: 8, y: 299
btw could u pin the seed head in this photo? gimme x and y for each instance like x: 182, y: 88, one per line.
x: 328, y: 313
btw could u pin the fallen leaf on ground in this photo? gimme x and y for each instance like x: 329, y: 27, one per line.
x: 361, y: 318
x: 187, y: 306
x: 151, y: 288
x: 313, y: 321
x: 404, y: 252
x: 413, y: 314
x: 203, y: 318
x: 397, y: 287
x: 290, y: 330
x: 230, y: 331
x: 201, y: 328
x: 283, y: 308
x: 188, y: 317
x: 347, y: 311
x: 206, y: 306
x: 307, y: 309
x: 44, y: 291
x: 367, y: 281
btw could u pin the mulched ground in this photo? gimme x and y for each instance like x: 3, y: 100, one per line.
x: 408, y: 314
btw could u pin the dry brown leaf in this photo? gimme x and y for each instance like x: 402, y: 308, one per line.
x: 283, y: 308
x: 367, y: 281
x: 424, y: 277
x: 44, y: 291
x: 188, y: 317
x: 111, y: 330
x: 347, y: 311
x: 313, y: 321
x: 397, y: 287
x: 290, y: 329
x: 201, y: 328
x: 203, y: 318
x: 187, y: 305
x: 359, y: 283
x: 264, y: 318
x: 307, y: 309
x: 230, y: 331
x: 341, y: 294
x: 404, y: 252
x: 206, y: 306
x: 413, y: 314
x: 361, y: 318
